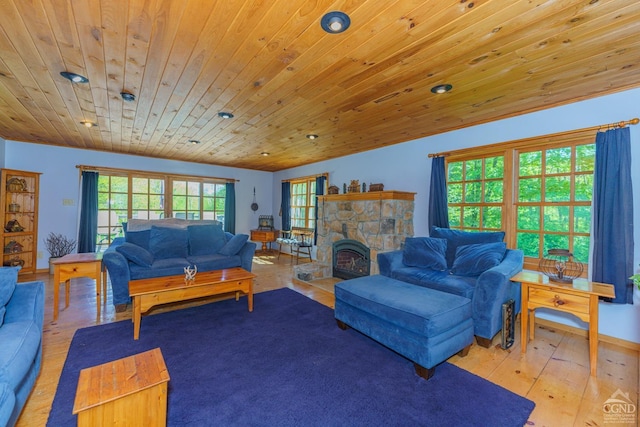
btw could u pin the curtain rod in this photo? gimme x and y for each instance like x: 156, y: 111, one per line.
x: 325, y: 174
x: 621, y: 124
x: 127, y: 171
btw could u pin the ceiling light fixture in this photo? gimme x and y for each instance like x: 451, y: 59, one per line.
x: 73, y: 77
x: 335, y: 22
x: 312, y: 136
x: 225, y: 115
x: 129, y: 97
x: 88, y: 124
x: 441, y: 88
x: 264, y: 153
x: 194, y: 142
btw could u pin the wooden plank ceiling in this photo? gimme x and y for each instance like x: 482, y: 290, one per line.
x: 270, y: 64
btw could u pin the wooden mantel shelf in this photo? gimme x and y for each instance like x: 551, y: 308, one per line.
x: 371, y: 195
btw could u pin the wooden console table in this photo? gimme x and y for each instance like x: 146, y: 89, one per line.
x: 264, y: 236
x: 579, y: 298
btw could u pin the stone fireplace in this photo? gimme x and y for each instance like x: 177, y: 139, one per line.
x: 377, y: 220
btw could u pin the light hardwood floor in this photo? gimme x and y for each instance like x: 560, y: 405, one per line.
x: 554, y: 372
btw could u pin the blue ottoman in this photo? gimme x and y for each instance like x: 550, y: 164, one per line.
x: 424, y: 325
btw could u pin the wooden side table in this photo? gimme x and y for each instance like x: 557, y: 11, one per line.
x: 579, y: 298
x: 126, y: 392
x: 264, y: 236
x: 78, y: 265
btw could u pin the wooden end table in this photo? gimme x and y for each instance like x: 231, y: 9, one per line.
x: 130, y: 391
x: 264, y: 236
x: 579, y: 298
x: 147, y: 293
x: 78, y: 265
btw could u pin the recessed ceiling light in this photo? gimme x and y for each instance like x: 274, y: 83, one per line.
x: 194, y: 142
x: 225, y: 115
x: 264, y: 153
x: 75, y: 78
x: 441, y: 88
x: 312, y: 136
x: 88, y: 124
x: 335, y: 22
x: 129, y: 97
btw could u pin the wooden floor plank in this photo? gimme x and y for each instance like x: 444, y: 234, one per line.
x: 554, y: 372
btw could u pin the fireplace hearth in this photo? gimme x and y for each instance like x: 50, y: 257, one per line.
x: 351, y: 259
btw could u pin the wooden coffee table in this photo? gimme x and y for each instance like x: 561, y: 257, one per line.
x: 148, y: 293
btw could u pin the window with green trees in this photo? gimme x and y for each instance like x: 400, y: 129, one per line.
x: 303, y: 203
x: 128, y: 194
x: 538, y: 191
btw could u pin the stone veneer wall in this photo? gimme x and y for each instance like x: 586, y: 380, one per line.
x: 379, y: 219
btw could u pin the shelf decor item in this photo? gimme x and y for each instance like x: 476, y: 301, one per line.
x: 16, y: 185
x: 560, y: 266
x: 355, y: 186
x: 13, y: 226
x: 376, y: 187
x: 12, y: 247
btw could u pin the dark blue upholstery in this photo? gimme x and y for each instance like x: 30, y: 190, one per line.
x: 488, y: 290
x: 171, y: 251
x: 424, y: 325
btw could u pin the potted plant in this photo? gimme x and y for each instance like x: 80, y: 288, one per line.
x: 58, y: 246
x: 636, y: 280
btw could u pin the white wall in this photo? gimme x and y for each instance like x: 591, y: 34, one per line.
x: 60, y: 180
x: 406, y: 167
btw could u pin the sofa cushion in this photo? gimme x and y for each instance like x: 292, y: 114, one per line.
x: 140, y: 238
x: 168, y: 242
x: 234, y: 245
x: 457, y: 238
x: 8, y: 280
x: 425, y: 252
x: 136, y: 254
x: 159, y: 268
x: 214, y: 262
x: 473, y: 260
x: 205, y: 239
x: 438, y: 280
x: 20, y: 343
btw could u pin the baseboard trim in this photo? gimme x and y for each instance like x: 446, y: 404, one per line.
x: 584, y: 333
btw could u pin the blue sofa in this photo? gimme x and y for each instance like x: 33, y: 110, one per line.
x: 477, y: 266
x: 21, y: 322
x: 156, y: 248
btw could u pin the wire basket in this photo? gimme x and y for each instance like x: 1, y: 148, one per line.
x: 560, y: 266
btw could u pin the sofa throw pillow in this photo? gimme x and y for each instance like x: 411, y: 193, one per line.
x: 168, y: 242
x: 457, y: 238
x: 234, y: 245
x: 135, y: 254
x: 425, y: 252
x: 8, y: 280
x: 206, y: 239
x: 473, y: 260
x: 140, y: 238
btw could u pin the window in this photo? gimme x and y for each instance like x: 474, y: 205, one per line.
x: 303, y: 203
x: 538, y: 191
x: 124, y: 194
x: 475, y: 194
x: 554, y: 191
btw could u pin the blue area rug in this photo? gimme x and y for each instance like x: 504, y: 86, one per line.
x: 285, y: 364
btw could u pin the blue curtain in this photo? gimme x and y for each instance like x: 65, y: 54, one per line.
x: 285, y: 206
x: 438, y: 209
x: 320, y: 180
x: 612, y: 260
x: 230, y: 208
x: 88, y: 229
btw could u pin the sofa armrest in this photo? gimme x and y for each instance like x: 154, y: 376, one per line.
x: 26, y: 304
x: 7, y: 403
x: 118, y: 268
x: 246, y: 255
x: 493, y: 288
x: 389, y: 261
